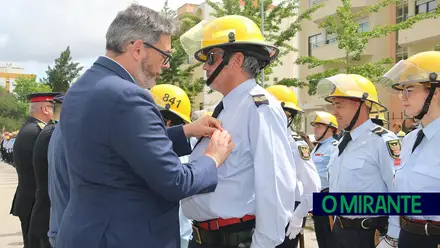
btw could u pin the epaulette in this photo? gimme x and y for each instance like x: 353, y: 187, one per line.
x: 260, y: 99
x: 41, y: 125
x: 380, y: 131
x: 297, y: 137
x: 334, y: 142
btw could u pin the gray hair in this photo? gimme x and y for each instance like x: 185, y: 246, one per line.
x: 251, y: 66
x: 137, y: 23
x: 35, y: 108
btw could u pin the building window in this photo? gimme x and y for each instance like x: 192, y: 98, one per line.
x: 314, y: 2
x: 402, y: 12
x: 315, y: 41
x: 363, y: 26
x: 425, y: 6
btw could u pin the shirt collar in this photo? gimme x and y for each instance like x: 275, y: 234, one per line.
x: 327, y: 140
x: 431, y: 129
x: 363, y: 128
x: 116, y: 62
x: 231, y: 98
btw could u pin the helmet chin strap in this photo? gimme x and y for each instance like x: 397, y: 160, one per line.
x: 225, y: 61
x: 356, y: 116
x: 432, y: 78
x: 323, y: 135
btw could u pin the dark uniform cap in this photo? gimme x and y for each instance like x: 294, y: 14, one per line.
x: 59, y: 98
x: 43, y: 97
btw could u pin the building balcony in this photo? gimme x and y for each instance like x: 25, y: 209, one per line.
x: 330, y: 7
x: 421, y: 31
x: 329, y: 50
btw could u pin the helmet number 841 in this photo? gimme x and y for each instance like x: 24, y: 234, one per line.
x: 172, y: 100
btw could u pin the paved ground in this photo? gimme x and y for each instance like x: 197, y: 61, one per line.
x: 10, y: 232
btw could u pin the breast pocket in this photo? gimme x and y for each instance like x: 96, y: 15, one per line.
x: 352, y: 172
x: 426, y: 177
x: 234, y: 161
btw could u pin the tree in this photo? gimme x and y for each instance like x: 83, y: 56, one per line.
x: 12, y: 111
x: 28, y: 85
x: 180, y: 71
x: 63, y: 73
x: 345, y: 27
x: 273, y: 17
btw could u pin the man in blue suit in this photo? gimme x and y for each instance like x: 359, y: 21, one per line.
x: 125, y: 179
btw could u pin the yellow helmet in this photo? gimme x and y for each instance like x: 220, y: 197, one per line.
x: 173, y: 99
x: 226, y: 31
x: 351, y: 86
x: 401, y: 134
x: 379, y: 116
x: 325, y: 118
x: 286, y: 96
x: 420, y: 68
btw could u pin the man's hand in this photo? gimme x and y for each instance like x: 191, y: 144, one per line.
x: 294, y: 228
x: 219, y: 147
x: 203, y: 127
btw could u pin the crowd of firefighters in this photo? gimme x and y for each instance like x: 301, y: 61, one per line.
x: 351, y: 150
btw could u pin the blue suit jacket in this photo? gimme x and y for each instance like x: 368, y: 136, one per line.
x: 125, y: 179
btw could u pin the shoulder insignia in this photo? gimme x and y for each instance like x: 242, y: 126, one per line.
x: 304, y: 152
x: 334, y: 142
x: 297, y: 137
x: 41, y: 125
x: 380, y: 131
x: 394, y: 148
x: 260, y: 99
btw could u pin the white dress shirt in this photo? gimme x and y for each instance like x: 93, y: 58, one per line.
x: 258, y: 178
x: 419, y: 170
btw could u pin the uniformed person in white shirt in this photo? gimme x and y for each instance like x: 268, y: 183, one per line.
x: 255, y: 194
x: 307, y: 176
x: 325, y: 128
x: 175, y: 107
x: 417, y: 80
x: 364, y: 158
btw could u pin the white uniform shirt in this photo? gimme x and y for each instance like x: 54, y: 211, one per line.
x: 419, y: 170
x: 258, y: 178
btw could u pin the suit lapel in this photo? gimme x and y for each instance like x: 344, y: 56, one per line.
x: 115, y: 67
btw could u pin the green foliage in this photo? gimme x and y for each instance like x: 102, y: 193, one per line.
x: 344, y: 25
x: 177, y: 74
x: 436, y: 47
x: 12, y: 111
x: 273, y: 17
x: 63, y: 73
x: 28, y: 85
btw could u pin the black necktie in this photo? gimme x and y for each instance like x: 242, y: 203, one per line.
x: 215, y: 114
x: 317, y: 146
x: 420, y: 136
x: 344, y: 142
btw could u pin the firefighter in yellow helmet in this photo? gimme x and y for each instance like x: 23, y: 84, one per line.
x: 325, y: 127
x: 364, y: 158
x: 175, y: 107
x: 379, y: 119
x: 307, y: 176
x: 234, y: 51
x: 417, y: 81
x: 174, y: 104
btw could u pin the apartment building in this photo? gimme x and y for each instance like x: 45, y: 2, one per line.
x: 9, y: 72
x: 206, y: 100
x: 316, y: 42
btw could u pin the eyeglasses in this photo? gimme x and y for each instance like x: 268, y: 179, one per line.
x: 408, y: 92
x: 210, y: 60
x: 165, y: 55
